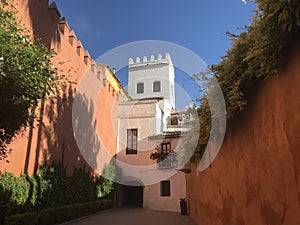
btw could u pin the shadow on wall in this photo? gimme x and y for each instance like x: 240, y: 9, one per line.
x: 84, y: 125
x: 66, y: 149
x: 56, y: 140
x: 45, y: 21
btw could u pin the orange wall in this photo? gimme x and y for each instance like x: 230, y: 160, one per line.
x: 53, y: 138
x: 107, y: 114
x: 255, y: 179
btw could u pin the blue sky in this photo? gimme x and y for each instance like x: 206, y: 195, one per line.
x: 197, y: 25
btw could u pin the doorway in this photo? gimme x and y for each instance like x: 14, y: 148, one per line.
x: 130, y: 195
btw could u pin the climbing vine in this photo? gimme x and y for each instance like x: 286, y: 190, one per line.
x: 261, y: 50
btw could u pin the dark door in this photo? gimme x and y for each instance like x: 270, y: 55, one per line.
x: 133, y: 196
x: 130, y: 195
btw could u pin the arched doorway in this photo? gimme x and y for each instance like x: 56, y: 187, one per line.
x: 131, y: 194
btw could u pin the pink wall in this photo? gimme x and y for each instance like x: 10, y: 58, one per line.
x: 255, y: 179
x: 53, y: 138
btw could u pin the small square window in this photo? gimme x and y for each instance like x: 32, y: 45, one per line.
x: 140, y: 88
x: 156, y: 86
x: 165, y: 189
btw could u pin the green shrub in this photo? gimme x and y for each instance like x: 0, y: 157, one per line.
x: 105, y: 186
x: 60, y: 214
x: 51, y: 187
x: 16, y: 190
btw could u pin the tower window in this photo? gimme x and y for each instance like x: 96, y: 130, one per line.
x: 140, y: 88
x: 156, y: 86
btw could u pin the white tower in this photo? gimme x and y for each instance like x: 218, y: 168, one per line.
x: 152, y: 78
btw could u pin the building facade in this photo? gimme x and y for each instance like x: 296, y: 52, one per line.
x: 129, y: 127
x: 143, y: 130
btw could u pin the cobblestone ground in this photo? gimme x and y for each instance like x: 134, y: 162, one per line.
x: 133, y: 216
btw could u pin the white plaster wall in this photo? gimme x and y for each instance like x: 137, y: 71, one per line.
x: 144, y: 115
x: 147, y: 73
x: 160, y: 120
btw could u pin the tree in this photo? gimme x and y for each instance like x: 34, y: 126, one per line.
x: 26, y: 77
x: 260, y: 51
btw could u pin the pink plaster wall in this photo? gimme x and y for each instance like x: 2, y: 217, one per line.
x: 255, y: 179
x: 53, y: 138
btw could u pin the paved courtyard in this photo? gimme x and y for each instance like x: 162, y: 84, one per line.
x: 133, y: 216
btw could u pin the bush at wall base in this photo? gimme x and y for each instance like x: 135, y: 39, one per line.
x: 60, y: 214
x: 51, y: 187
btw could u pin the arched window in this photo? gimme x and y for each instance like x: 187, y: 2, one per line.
x: 156, y: 86
x: 140, y: 88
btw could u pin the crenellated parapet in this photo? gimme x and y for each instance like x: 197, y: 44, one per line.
x: 65, y: 34
x: 68, y: 47
x: 152, y: 77
x: 46, y: 22
x: 50, y: 138
x: 151, y: 61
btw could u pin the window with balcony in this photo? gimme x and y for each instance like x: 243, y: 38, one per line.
x: 169, y: 159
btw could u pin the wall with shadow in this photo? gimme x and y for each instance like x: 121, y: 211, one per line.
x: 59, y: 142
x: 51, y: 136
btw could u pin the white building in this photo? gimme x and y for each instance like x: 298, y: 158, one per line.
x: 142, y: 130
x: 152, y: 78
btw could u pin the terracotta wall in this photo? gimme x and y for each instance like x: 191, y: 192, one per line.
x: 255, y: 179
x: 152, y: 199
x: 52, y: 136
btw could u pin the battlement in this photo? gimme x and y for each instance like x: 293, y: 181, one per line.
x: 53, y: 11
x: 70, y: 35
x: 145, y: 61
x: 64, y: 41
x: 44, y: 22
x: 60, y: 33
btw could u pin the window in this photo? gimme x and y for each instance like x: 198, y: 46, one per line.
x: 165, y: 147
x: 169, y: 161
x: 165, y: 189
x: 140, y: 88
x: 156, y: 86
x: 174, y: 121
x: 132, y: 135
